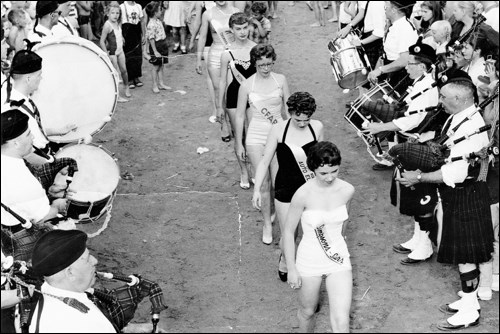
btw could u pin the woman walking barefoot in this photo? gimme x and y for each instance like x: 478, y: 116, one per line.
x: 322, y: 207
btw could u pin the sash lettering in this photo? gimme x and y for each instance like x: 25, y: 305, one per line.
x: 300, y: 157
x: 225, y: 34
x: 325, y: 243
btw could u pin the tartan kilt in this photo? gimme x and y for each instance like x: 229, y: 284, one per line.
x: 373, y: 50
x: 24, y: 241
x: 467, y: 232
x: 417, y: 202
x: 492, y: 181
x: 383, y: 111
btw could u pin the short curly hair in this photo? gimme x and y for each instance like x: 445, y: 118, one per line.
x: 301, y: 103
x: 238, y: 19
x: 323, y: 153
x: 262, y: 51
x: 258, y: 7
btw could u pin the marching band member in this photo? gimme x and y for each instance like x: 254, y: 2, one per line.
x: 467, y: 234
x: 371, y: 15
x: 20, y: 189
x: 64, y: 26
x: 25, y: 76
x: 420, y: 201
x: 400, y: 36
x: 47, y: 16
x: 68, y: 268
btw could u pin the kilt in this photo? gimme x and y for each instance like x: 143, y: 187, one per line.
x: 467, y: 233
x: 382, y: 110
x: 398, y: 78
x: 24, y: 241
x: 492, y: 181
x: 417, y: 202
x: 373, y: 50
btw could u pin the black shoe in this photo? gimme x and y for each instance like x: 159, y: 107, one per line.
x: 400, y: 249
x: 349, y: 104
x: 176, y: 48
x: 226, y: 139
x: 138, y: 83
x: 411, y: 262
x: 381, y: 167
x: 446, y: 326
x: 282, y: 275
x: 446, y: 309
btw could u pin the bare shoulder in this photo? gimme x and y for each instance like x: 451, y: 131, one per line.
x: 346, y: 187
x: 280, y: 77
x: 317, y: 125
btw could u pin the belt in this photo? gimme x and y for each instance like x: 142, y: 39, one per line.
x: 14, y: 228
x: 467, y: 182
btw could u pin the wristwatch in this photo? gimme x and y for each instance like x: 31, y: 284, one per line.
x: 419, y: 177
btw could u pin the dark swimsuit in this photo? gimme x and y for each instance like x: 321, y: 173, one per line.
x: 247, y: 70
x: 289, y: 177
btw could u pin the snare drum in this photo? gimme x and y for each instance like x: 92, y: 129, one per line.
x: 350, y: 66
x: 79, y: 86
x: 94, y: 184
x: 379, y: 91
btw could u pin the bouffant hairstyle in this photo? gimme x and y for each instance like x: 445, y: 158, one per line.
x: 262, y: 51
x: 152, y: 8
x: 323, y: 153
x: 301, y: 103
x: 258, y: 7
x: 238, y: 19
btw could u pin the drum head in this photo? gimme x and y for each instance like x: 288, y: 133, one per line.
x: 79, y: 86
x: 97, y: 176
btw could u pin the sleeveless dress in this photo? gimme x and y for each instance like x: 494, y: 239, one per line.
x: 263, y: 119
x: 247, y: 70
x: 217, y: 46
x: 289, y: 177
x: 311, y: 258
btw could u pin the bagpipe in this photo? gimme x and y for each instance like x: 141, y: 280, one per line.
x: 433, y: 154
x: 461, y: 39
x: 119, y: 304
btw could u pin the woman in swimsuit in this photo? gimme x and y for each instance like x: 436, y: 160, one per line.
x: 322, y: 207
x: 291, y: 141
x: 237, y: 59
x: 216, y: 20
x: 266, y: 92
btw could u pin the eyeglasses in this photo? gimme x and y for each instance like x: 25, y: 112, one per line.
x: 262, y: 66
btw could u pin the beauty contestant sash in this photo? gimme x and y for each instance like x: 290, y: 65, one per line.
x: 224, y: 32
x: 326, y: 244
x: 263, y: 108
x: 236, y: 74
x: 300, y: 158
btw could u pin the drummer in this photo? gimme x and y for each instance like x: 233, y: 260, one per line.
x: 20, y: 189
x: 400, y: 36
x: 371, y: 18
x: 64, y: 26
x: 47, y: 16
x: 24, y: 79
x: 412, y: 202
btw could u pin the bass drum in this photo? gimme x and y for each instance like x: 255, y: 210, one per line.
x: 79, y: 86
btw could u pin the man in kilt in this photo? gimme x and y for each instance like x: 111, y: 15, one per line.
x: 420, y: 200
x: 467, y: 234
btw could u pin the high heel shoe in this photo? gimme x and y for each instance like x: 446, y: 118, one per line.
x: 283, y: 275
x: 226, y: 139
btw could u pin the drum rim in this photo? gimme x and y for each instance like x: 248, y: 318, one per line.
x: 74, y: 40
x: 105, y: 150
